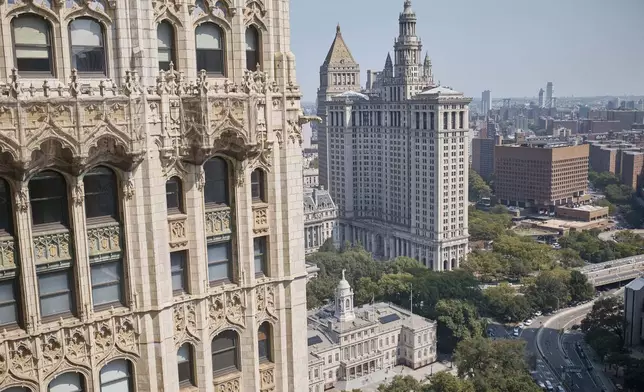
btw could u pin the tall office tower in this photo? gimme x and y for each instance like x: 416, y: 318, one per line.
x: 549, y: 92
x: 486, y: 102
x: 339, y: 73
x: 396, y: 160
x: 151, y: 221
x: 540, y: 97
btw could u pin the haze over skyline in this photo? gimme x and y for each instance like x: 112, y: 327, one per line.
x: 585, y: 47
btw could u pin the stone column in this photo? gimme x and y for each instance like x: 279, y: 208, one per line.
x: 79, y: 233
x: 24, y: 239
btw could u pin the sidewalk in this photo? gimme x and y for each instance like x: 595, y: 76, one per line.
x: 371, y: 382
x: 601, y: 378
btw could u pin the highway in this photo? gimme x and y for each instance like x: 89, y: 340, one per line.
x: 555, y: 349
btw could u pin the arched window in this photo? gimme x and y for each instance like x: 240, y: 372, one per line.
x: 48, y: 199
x: 185, y: 365
x: 225, y: 353
x: 6, y: 213
x: 116, y: 376
x: 32, y: 44
x: 265, y: 343
x: 17, y: 389
x: 252, y: 49
x: 210, y: 49
x: 216, y: 189
x: 67, y: 382
x: 165, y: 42
x: 257, y: 182
x: 101, y: 194
x: 88, y: 46
x: 174, y: 196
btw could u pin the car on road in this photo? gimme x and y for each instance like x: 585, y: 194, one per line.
x: 516, y: 331
x: 490, y: 332
x: 541, y: 385
x: 560, y: 388
x: 528, y: 322
x: 549, y: 385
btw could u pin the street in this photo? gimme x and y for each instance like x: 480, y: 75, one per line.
x: 555, y: 350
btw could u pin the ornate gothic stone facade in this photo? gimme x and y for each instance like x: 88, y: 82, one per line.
x: 150, y: 221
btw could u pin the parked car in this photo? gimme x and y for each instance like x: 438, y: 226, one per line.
x: 528, y: 322
x: 537, y: 313
x: 541, y: 385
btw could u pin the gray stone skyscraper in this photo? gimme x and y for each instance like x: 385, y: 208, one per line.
x: 394, y: 157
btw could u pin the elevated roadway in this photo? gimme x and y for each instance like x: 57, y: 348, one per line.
x: 614, y: 271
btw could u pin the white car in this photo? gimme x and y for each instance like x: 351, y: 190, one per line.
x: 527, y: 322
x: 537, y: 313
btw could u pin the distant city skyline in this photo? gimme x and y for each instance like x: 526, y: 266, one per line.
x: 510, y: 48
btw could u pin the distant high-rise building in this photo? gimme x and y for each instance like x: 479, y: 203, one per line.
x: 549, y: 92
x: 540, y: 97
x: 382, y: 157
x: 540, y: 176
x: 486, y: 102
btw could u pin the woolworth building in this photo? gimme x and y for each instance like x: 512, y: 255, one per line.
x: 150, y: 197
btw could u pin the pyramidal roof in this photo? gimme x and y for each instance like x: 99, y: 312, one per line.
x: 339, y: 52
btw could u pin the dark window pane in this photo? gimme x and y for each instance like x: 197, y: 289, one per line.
x: 252, y: 59
x: 257, y: 185
x: 32, y: 44
x: 6, y: 214
x: 260, y: 255
x: 107, y: 283
x: 48, y: 198
x: 116, y: 376
x: 252, y: 49
x: 210, y: 60
x: 56, y: 295
x: 264, y: 342
x: 224, y: 352
x: 8, y: 302
x: 101, y: 195
x: 210, y: 48
x: 178, y: 271
x: 219, y: 265
x: 174, y: 195
x: 88, y: 50
x: 184, y: 362
x: 216, y: 173
x: 165, y: 44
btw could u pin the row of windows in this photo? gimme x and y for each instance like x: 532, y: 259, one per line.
x: 225, y: 350
x: 34, y: 52
x: 117, y: 376
x: 48, y: 195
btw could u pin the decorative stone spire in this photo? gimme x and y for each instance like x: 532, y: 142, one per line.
x: 344, y: 301
x: 339, y: 52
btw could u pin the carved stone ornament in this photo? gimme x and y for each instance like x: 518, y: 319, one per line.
x: 185, y: 322
x: 254, y: 12
x: 4, y: 366
x: 77, y: 349
x: 228, y: 385
x: 51, y: 353
x: 226, y: 309
x: 260, y: 219
x: 178, y: 237
x: 258, y: 82
x: 128, y: 189
x: 22, y: 361
x: 103, y: 341
x: 126, y: 335
x: 267, y: 379
x: 52, y: 247
x: 22, y: 201
x: 78, y: 193
x: 218, y: 222
x: 265, y: 302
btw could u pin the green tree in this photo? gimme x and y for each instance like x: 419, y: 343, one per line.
x: 494, y: 365
x: 328, y: 246
x: 478, y: 188
x: 612, y: 209
x: 367, y: 290
x: 486, y: 226
x: 607, y: 314
x: 487, y: 266
x: 569, y: 258
x: 457, y: 320
x: 404, y: 264
x: 447, y: 382
x: 401, y: 384
x: 580, y: 288
x: 549, y: 292
x: 504, y: 303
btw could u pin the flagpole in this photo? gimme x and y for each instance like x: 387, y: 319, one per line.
x: 411, y: 298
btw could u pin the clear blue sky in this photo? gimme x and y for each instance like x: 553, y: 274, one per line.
x: 511, y: 47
